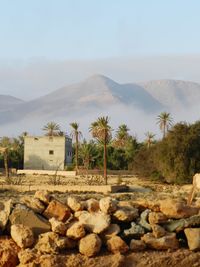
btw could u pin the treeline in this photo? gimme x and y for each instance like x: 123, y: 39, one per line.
x: 174, y: 159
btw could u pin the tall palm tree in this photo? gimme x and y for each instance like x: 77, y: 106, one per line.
x: 165, y: 121
x: 76, y: 134
x: 149, y: 139
x: 5, y: 148
x: 88, y: 153
x: 122, y: 136
x: 51, y: 129
x: 101, y: 130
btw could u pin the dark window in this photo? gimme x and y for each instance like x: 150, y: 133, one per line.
x: 51, y: 152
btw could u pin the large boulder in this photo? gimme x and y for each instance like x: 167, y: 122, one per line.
x: 168, y: 241
x: 117, y: 245
x: 76, y: 231
x: 5, y: 209
x: 177, y: 209
x: 27, y: 217
x: 90, y: 245
x: 8, y: 252
x: 157, y: 218
x: 193, y: 238
x: 95, y: 222
x: 58, y: 226
x: 74, y: 203
x: 108, y: 205
x: 125, y: 214
x: 33, y: 203
x: 43, y: 195
x: 57, y: 210
x: 22, y: 235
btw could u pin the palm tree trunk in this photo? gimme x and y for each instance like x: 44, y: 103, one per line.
x: 6, y: 164
x: 77, y: 153
x: 105, y: 159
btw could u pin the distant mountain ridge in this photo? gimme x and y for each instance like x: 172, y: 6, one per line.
x: 99, y: 93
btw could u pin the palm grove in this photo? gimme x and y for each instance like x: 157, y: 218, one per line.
x: 175, y: 158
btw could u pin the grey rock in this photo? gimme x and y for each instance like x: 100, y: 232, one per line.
x: 143, y: 221
x: 135, y: 231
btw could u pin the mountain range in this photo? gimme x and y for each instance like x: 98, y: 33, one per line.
x: 92, y: 96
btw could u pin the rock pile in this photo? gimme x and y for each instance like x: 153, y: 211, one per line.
x: 41, y: 225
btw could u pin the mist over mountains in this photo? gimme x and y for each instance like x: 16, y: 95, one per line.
x: 136, y: 104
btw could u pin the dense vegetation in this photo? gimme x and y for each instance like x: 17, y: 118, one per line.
x: 175, y: 158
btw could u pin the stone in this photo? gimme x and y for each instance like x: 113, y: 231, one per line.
x: 177, y: 209
x: 22, y: 235
x: 76, y: 231
x: 143, y: 221
x: 112, y: 230
x: 57, y: 210
x: 8, y: 252
x: 108, y: 205
x: 157, y: 218
x: 168, y: 241
x: 48, y: 243
x: 92, y: 205
x: 143, y: 204
x: 5, y: 209
x: 43, y: 196
x: 33, y: 203
x: 58, y: 226
x: 90, y: 245
x: 157, y: 230
x: 193, y: 238
x: 27, y: 217
x: 137, y: 245
x: 125, y: 214
x: 117, y: 245
x: 95, y: 222
x: 27, y: 255
x: 74, y: 204
x: 136, y: 231
x: 179, y: 225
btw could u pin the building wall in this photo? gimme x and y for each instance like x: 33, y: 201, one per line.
x: 46, y: 153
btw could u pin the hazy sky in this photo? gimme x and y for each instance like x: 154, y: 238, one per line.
x: 46, y: 44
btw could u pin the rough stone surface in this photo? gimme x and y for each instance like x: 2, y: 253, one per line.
x: 74, y: 203
x: 193, y: 238
x: 143, y: 221
x: 117, y: 245
x: 157, y: 218
x: 168, y: 241
x: 8, y: 252
x: 27, y: 255
x: 57, y: 210
x: 48, y: 243
x: 179, y: 225
x: 157, y: 230
x: 125, y: 214
x: 112, y: 230
x: 43, y: 196
x: 28, y: 218
x: 33, y: 203
x: 22, y: 235
x: 76, y: 231
x: 135, y: 231
x: 58, y: 226
x: 5, y: 209
x: 92, y: 205
x: 108, y: 205
x: 143, y: 204
x: 137, y: 245
x: 90, y: 245
x: 95, y: 222
x: 176, y: 209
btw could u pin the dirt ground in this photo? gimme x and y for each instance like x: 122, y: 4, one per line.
x: 138, y: 189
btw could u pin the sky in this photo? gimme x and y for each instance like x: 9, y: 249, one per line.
x: 46, y: 44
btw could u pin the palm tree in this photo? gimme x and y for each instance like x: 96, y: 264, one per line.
x: 122, y: 136
x: 149, y: 139
x: 51, y: 129
x: 76, y: 134
x: 88, y: 153
x: 165, y: 121
x: 101, y: 130
x: 5, y: 148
